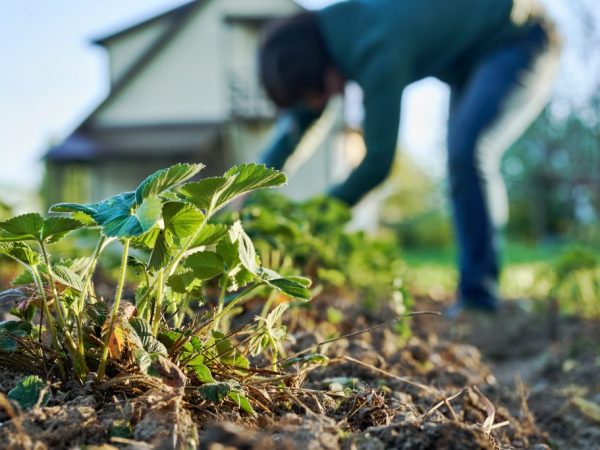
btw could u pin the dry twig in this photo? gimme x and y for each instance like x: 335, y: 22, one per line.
x: 391, y: 375
x: 443, y: 402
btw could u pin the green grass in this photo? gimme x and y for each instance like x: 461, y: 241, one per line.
x: 433, y: 272
x: 513, y: 253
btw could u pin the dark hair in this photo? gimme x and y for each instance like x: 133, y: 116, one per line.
x: 293, y: 59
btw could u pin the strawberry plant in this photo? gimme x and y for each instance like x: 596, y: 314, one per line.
x: 165, y: 230
x: 313, y: 235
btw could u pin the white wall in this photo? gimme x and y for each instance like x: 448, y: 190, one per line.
x: 125, y: 50
x: 187, y: 80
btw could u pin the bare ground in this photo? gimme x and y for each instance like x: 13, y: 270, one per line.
x: 478, y: 383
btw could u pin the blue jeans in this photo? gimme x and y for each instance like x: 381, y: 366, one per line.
x: 500, y: 98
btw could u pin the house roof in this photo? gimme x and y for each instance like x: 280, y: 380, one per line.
x: 177, y: 12
x: 182, y: 141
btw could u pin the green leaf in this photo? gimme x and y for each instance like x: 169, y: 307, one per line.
x: 11, y: 328
x: 228, y: 251
x: 236, y: 247
x: 84, y: 218
x: 311, y: 358
x: 121, y: 428
x: 161, y: 253
x: 182, y: 219
x: 143, y: 330
x: 239, y: 279
x: 20, y: 252
x: 184, y: 282
x: 205, y: 265
x: 23, y: 279
x: 98, y: 313
x: 28, y: 391
x: 68, y: 277
x: 169, y: 338
x: 248, y: 178
x: 211, y: 234
x: 56, y: 228
x: 134, y: 262
x: 34, y: 227
x: 246, y: 251
x: 8, y: 237
x: 227, y: 353
x: 143, y: 360
x: 78, y: 265
x: 149, y: 213
x: 201, y: 193
x: 165, y: 179
x: 237, y: 275
x: 25, y: 227
x: 211, y: 194
x: 296, y: 287
x: 120, y: 215
x: 242, y: 402
x: 202, y: 372
x: 215, y: 392
x: 147, y: 240
x: 197, y: 345
x: 76, y: 209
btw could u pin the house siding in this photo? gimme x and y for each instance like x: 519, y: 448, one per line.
x: 125, y: 50
x: 187, y: 80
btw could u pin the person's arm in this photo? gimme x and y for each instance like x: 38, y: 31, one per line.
x: 290, y: 127
x: 381, y: 123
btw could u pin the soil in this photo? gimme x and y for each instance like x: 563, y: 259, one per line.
x: 521, y: 379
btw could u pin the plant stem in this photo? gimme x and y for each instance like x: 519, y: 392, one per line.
x: 182, y: 309
x: 267, y: 306
x: 115, y: 309
x: 90, y: 272
x: 156, y: 315
x: 170, y: 269
x: 78, y: 358
x: 219, y: 314
x: 59, y: 306
x: 140, y: 303
x: 234, y: 303
x: 49, y: 319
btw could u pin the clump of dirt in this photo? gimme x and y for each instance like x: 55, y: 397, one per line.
x: 166, y: 424
x: 414, y: 436
x: 225, y: 435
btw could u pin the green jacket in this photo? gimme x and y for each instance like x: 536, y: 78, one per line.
x: 384, y: 45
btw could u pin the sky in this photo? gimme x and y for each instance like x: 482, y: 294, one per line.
x: 53, y: 77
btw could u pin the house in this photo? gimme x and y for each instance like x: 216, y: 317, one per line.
x: 183, y: 87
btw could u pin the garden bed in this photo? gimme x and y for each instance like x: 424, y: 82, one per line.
x: 372, y: 395
x: 209, y: 339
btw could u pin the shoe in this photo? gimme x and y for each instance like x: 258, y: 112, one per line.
x: 488, y: 307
